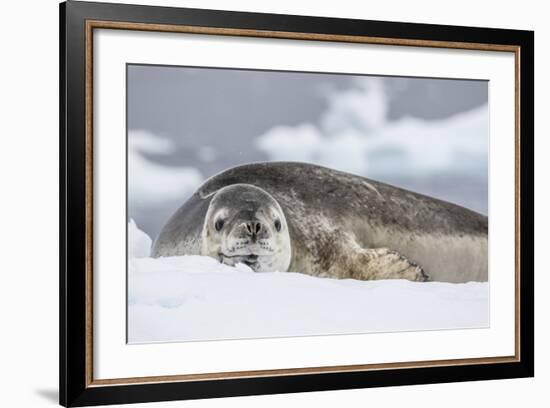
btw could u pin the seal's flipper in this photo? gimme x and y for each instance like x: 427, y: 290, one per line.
x: 383, y: 263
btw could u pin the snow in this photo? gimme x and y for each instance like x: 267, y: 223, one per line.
x: 190, y: 298
x: 139, y: 246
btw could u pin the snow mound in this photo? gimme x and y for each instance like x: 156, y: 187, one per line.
x: 139, y: 246
x: 191, y: 298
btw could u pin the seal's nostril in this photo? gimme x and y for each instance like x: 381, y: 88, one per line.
x: 253, y: 227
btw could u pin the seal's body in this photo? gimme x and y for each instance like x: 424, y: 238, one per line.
x: 305, y: 218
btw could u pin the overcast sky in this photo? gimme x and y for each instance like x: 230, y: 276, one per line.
x: 427, y: 135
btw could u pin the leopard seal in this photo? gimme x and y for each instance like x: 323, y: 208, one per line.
x: 291, y: 216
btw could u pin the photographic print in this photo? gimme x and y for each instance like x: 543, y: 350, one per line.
x: 266, y: 203
x: 257, y: 203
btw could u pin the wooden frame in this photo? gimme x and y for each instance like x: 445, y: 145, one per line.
x: 77, y: 385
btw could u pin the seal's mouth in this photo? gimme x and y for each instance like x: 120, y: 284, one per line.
x: 249, y: 260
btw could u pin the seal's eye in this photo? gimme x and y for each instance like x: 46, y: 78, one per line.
x: 218, y: 225
x: 277, y: 225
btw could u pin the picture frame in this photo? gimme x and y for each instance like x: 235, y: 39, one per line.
x: 78, y: 23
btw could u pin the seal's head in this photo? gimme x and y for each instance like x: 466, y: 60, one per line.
x: 246, y: 224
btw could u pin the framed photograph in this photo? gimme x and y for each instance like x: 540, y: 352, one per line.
x: 256, y: 203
